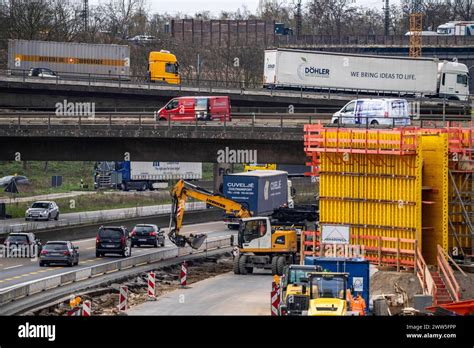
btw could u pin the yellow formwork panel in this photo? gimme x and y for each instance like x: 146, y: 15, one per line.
x: 435, y: 183
x: 377, y: 195
x: 350, y: 139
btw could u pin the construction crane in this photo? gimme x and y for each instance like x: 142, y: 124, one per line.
x: 261, y: 245
x: 416, y: 27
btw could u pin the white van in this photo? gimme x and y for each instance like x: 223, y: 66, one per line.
x: 388, y: 112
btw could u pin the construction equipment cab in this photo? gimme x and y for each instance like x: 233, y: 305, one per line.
x: 295, y: 290
x: 328, y: 294
x: 163, y: 67
x: 263, y: 246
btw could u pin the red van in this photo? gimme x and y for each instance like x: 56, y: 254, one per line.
x: 192, y: 108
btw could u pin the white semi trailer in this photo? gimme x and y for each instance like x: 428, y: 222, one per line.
x: 287, y: 68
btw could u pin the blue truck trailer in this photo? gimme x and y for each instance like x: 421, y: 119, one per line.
x: 260, y: 191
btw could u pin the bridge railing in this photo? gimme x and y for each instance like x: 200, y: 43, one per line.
x: 370, y: 40
x: 206, y: 85
x: 150, y: 121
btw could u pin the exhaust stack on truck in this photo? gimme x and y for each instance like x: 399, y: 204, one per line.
x: 286, y: 68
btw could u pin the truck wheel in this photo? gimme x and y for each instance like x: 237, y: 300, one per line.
x: 281, y: 263
x: 242, y: 262
x: 274, y: 265
x: 236, y: 265
x: 144, y: 187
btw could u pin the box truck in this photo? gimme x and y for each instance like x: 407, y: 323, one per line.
x: 143, y: 175
x: 460, y: 28
x: 70, y: 58
x: 260, y: 191
x: 287, y: 68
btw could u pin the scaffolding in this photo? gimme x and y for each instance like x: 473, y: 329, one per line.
x: 397, y: 189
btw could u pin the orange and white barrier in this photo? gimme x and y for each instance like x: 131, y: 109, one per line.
x: 183, y: 274
x: 275, y: 298
x: 86, y: 309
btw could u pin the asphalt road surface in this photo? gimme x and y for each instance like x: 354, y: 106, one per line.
x: 226, y: 294
x: 14, y: 271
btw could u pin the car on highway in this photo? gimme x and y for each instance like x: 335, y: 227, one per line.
x: 42, y: 210
x: 19, y: 180
x: 20, y: 244
x: 113, y: 240
x: 145, y: 234
x: 388, y: 112
x: 59, y: 252
x: 43, y: 73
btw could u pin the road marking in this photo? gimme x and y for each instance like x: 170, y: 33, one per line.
x: 90, y: 248
x: 17, y: 277
x: 13, y: 267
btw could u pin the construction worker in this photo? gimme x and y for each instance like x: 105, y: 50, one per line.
x: 358, y: 304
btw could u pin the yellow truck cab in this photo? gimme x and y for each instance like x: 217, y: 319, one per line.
x: 328, y: 294
x: 295, y: 290
x: 163, y: 67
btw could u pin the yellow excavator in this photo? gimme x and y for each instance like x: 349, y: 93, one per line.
x: 261, y: 245
x: 328, y: 294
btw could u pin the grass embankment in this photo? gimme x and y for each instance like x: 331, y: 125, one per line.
x: 40, y: 174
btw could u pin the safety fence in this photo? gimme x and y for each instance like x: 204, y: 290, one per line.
x: 448, y: 275
x: 423, y: 273
x: 19, y: 291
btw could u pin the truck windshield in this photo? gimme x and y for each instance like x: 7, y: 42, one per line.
x: 171, y: 68
x: 250, y: 230
x: 328, y: 287
x: 297, y: 274
x: 462, y: 79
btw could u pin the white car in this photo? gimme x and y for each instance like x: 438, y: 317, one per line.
x: 388, y: 112
x: 44, y: 210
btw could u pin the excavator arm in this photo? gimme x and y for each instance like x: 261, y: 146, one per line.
x: 180, y: 192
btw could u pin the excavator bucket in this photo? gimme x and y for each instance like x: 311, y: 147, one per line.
x: 196, y: 241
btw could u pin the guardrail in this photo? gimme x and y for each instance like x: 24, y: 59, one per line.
x: 193, y: 85
x: 150, y: 121
x: 447, y: 272
x: 17, y: 292
x: 95, y: 217
x: 424, y: 275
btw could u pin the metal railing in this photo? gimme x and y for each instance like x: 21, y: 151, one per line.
x: 193, y: 84
x: 16, y: 292
x: 424, y: 275
x: 448, y: 275
x: 142, y: 121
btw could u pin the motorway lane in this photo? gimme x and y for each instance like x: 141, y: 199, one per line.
x: 225, y: 294
x: 15, y: 271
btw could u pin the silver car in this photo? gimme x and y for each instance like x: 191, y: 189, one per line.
x: 44, y: 210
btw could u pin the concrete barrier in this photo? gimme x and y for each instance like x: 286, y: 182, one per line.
x: 18, y: 291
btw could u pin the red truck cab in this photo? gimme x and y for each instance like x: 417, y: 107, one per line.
x: 192, y: 108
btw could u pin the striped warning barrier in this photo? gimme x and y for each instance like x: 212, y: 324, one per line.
x: 123, y: 297
x: 75, y: 312
x: 183, y: 274
x: 275, y: 298
x: 86, y: 309
x: 151, y: 295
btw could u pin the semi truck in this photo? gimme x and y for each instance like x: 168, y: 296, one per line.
x: 430, y: 77
x: 459, y: 28
x: 143, y: 175
x: 163, y: 67
x: 260, y: 191
x: 70, y: 58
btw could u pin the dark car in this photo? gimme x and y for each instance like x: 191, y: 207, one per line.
x: 113, y: 240
x: 19, y: 180
x: 43, y: 73
x: 59, y: 252
x: 22, y: 245
x: 147, y: 235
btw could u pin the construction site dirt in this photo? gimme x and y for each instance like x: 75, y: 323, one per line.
x: 104, y: 300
